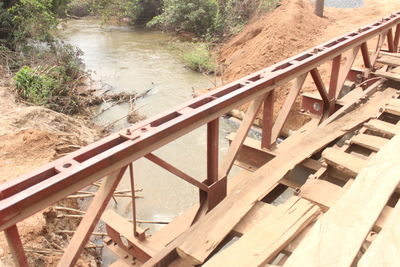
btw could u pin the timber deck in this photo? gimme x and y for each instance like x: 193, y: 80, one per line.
x: 345, y: 212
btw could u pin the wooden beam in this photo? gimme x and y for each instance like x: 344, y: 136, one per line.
x: 322, y: 192
x: 269, y: 236
x: 337, y: 237
x: 383, y: 127
x: 287, y: 106
x: 372, y: 142
x: 389, y: 60
x: 197, y: 246
x: 259, y: 211
x: 384, y: 251
x: 344, y: 162
x: 92, y: 216
x: 326, y: 195
x: 388, y: 75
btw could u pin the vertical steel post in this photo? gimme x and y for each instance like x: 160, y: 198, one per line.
x: 212, y: 150
x: 132, y: 180
x: 15, y: 245
x: 267, y: 122
x: 333, y: 83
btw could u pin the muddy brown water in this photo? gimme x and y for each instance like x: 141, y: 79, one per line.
x: 134, y: 60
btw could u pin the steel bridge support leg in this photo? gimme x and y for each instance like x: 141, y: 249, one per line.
x: 217, y: 186
x: 15, y: 245
x: 267, y: 122
x: 89, y: 222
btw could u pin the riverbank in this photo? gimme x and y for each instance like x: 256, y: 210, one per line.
x: 31, y: 136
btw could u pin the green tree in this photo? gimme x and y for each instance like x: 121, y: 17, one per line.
x: 197, y: 16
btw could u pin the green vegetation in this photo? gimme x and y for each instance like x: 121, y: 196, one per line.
x: 199, y: 59
x: 196, y: 16
x: 46, y: 70
x: 35, y: 85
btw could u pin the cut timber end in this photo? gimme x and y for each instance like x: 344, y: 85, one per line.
x: 187, y: 257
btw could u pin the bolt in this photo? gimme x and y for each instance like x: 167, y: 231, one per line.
x: 128, y: 132
x: 380, y: 109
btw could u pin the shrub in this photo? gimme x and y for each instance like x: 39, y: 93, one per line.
x: 195, y: 16
x: 142, y: 11
x: 35, y: 86
x: 33, y: 19
x: 199, y: 59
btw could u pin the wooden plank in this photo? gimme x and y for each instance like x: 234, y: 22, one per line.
x: 372, y: 142
x: 269, y: 236
x: 336, y: 238
x: 383, y: 127
x: 197, y: 246
x: 396, y: 55
x: 344, y: 162
x: 322, y: 192
x: 259, y: 211
x: 395, y: 110
x: 384, y: 251
x: 119, y: 263
x: 389, y: 60
x: 326, y: 195
x: 388, y: 75
x: 92, y: 216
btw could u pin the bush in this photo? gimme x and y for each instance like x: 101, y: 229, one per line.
x: 142, y: 11
x: 33, y: 19
x: 199, y: 59
x: 34, y: 85
x: 197, y: 16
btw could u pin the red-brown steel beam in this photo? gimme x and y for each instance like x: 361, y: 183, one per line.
x: 212, y: 151
x: 91, y: 218
x: 267, y: 122
x: 32, y: 192
x: 396, y: 38
x: 16, y: 247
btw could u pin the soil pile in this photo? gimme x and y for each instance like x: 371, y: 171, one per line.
x: 29, y: 138
x: 287, y: 31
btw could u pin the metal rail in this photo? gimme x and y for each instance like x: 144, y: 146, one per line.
x: 30, y: 193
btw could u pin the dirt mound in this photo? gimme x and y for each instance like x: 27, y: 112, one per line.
x: 288, y: 30
x: 29, y: 138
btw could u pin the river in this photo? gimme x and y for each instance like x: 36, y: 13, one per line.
x: 134, y: 60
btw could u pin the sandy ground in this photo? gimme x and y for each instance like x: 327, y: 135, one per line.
x: 29, y: 138
x: 287, y: 31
